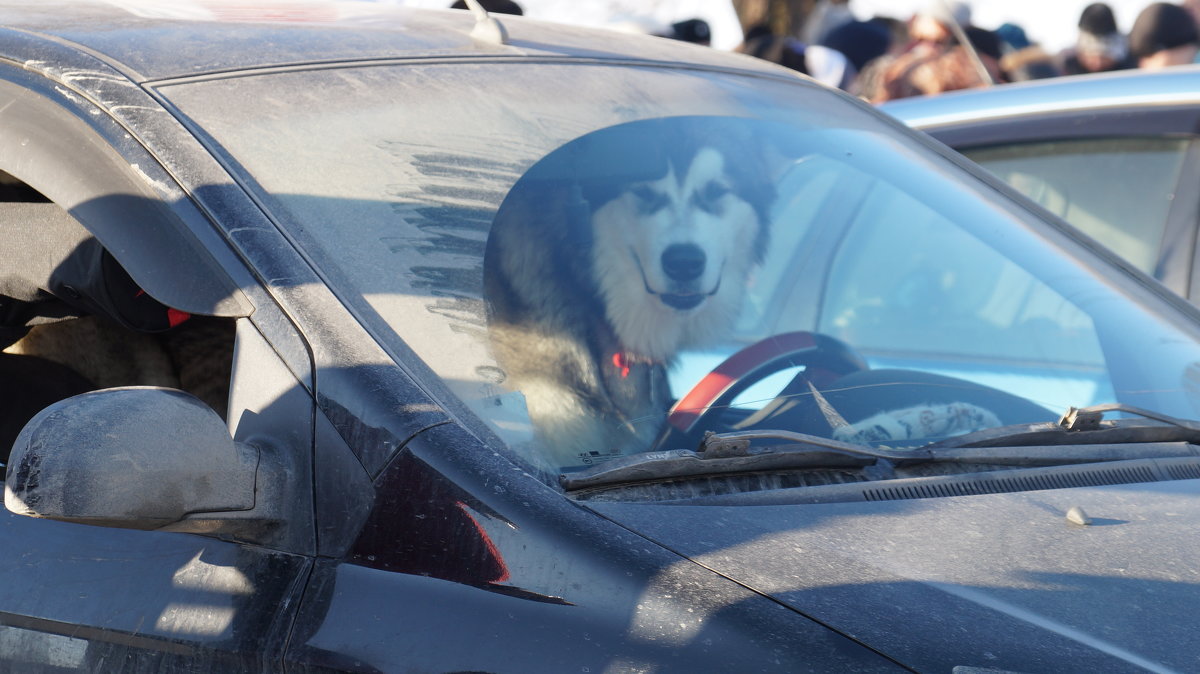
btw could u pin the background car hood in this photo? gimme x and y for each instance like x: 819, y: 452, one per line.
x: 1002, y: 581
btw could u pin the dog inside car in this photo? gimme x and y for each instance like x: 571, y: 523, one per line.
x: 611, y: 256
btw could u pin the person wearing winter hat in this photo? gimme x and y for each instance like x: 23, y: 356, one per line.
x: 946, y: 53
x: 696, y: 31
x: 859, y: 41
x: 823, y: 64
x: 1100, y: 46
x: 1021, y: 59
x: 1164, y: 35
x: 931, y: 24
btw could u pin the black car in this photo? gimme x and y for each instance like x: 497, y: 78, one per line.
x: 345, y: 337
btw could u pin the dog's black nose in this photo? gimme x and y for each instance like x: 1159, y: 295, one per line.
x: 683, y: 261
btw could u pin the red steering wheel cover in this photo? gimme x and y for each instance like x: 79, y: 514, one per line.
x: 687, y: 410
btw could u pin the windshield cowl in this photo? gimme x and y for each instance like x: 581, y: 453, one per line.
x: 1005, y: 448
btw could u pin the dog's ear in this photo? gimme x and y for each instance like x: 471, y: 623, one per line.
x: 607, y: 161
x: 604, y: 162
x: 534, y: 244
x: 750, y: 163
x: 748, y: 155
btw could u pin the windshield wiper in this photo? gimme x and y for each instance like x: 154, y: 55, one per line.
x: 1081, y: 436
x: 1083, y: 426
x: 732, y: 453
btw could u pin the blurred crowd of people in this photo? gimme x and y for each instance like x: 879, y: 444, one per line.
x: 939, y: 48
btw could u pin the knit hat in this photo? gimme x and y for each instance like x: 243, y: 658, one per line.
x: 1097, y: 19
x: 1012, y: 37
x: 1098, y: 33
x: 859, y: 41
x: 1159, y: 27
x: 692, y: 30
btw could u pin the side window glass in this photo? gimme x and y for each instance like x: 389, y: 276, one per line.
x: 72, y: 320
x: 1024, y: 335
x: 1088, y: 182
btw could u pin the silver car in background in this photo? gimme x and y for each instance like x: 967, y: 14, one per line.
x: 1114, y: 154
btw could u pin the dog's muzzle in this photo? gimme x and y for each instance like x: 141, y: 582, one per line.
x: 683, y: 264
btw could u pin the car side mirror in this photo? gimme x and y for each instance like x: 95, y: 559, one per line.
x: 135, y: 458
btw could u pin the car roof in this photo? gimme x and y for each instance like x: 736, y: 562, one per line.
x: 162, y: 39
x: 1126, y: 88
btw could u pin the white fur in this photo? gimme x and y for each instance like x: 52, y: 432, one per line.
x: 628, y: 245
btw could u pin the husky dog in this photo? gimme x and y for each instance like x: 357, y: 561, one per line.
x: 606, y: 260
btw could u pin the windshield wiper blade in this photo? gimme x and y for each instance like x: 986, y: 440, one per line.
x: 1090, y: 437
x: 732, y: 453
x: 720, y: 445
x: 1088, y: 418
x: 1083, y: 426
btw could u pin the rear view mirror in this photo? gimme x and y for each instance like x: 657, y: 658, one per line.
x: 138, y: 458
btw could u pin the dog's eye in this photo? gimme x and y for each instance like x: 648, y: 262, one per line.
x: 714, y: 191
x: 649, y: 200
x: 709, y: 196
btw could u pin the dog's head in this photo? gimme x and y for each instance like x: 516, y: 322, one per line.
x: 677, y: 225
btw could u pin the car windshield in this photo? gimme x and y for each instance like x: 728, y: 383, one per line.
x: 1088, y: 182
x: 600, y: 260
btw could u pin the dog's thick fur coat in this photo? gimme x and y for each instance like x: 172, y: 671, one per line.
x: 610, y: 257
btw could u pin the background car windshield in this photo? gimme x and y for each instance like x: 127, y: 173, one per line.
x: 1088, y: 183
x: 573, y: 249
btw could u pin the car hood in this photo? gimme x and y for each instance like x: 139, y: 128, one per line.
x: 1004, y: 581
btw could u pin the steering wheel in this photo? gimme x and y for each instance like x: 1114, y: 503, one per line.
x: 823, y: 357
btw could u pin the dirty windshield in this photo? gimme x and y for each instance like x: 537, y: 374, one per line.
x: 603, y: 260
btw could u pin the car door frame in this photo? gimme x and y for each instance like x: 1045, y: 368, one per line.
x: 87, y: 597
